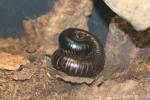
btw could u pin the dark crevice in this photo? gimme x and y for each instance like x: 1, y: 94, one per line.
x: 100, y: 19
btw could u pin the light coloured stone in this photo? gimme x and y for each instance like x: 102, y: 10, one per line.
x: 137, y: 12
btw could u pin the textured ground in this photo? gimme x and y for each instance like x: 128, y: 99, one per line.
x: 126, y: 74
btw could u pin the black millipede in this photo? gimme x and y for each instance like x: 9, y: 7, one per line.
x: 80, y: 53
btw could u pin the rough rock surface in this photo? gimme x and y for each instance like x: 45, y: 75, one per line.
x: 135, y: 11
x: 127, y: 66
x: 65, y: 14
x: 123, y: 54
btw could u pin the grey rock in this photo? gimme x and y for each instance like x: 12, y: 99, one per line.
x: 135, y: 11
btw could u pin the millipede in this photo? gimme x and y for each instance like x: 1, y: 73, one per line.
x: 80, y: 53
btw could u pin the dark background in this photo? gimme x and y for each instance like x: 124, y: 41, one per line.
x: 13, y: 12
x: 100, y: 19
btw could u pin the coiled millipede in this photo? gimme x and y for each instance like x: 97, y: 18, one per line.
x: 80, y: 53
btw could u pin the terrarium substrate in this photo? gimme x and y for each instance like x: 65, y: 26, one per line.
x: 29, y: 75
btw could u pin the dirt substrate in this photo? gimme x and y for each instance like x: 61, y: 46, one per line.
x: 29, y: 75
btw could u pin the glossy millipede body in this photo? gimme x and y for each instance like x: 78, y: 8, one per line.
x: 80, y: 53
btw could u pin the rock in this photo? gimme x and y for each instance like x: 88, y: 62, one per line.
x: 65, y: 14
x: 135, y: 11
x: 124, y: 56
x: 11, y: 62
